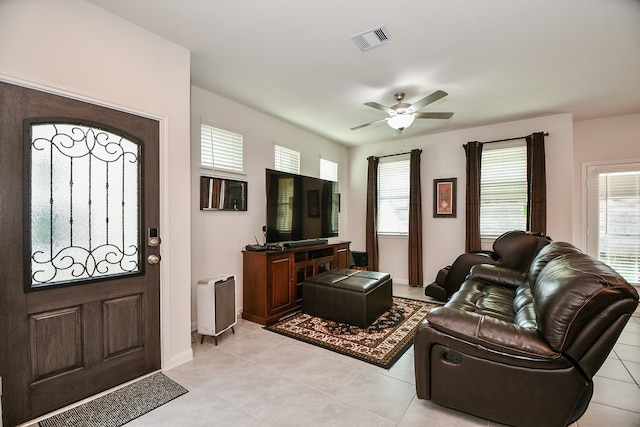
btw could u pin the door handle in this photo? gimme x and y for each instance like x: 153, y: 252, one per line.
x: 153, y: 259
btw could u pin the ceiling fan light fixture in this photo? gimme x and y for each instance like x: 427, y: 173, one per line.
x: 401, y: 121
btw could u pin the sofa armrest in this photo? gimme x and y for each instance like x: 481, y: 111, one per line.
x: 496, y: 335
x: 498, y: 275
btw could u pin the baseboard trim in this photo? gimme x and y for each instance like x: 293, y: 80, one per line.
x: 179, y: 359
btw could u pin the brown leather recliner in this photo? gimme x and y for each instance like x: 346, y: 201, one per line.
x: 524, y: 353
x: 513, y: 249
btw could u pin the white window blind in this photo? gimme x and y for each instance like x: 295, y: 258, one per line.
x: 619, y: 222
x: 503, y: 191
x: 393, y: 197
x: 285, y: 204
x: 287, y: 160
x: 328, y: 170
x: 220, y: 149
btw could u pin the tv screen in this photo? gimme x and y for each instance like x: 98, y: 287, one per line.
x: 300, y: 207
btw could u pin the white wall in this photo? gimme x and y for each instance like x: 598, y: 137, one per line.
x: 73, y: 48
x: 610, y: 139
x: 443, y: 157
x: 220, y: 236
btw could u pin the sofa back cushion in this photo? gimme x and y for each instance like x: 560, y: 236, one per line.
x: 574, y: 291
x: 516, y: 249
x: 546, y: 254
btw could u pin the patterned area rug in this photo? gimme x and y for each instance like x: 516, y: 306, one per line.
x: 380, y: 344
x: 121, y: 405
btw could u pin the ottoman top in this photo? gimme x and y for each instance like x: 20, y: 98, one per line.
x: 330, y: 277
x: 348, y: 279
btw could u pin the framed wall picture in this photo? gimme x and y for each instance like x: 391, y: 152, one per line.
x: 444, y: 198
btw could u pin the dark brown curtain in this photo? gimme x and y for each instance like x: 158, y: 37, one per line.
x: 415, y: 220
x: 536, y: 184
x: 473, y: 150
x: 372, y: 214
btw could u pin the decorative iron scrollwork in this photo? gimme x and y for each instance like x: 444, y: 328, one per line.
x: 85, y: 200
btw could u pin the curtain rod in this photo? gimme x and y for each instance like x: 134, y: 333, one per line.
x: 506, y: 139
x: 396, y: 154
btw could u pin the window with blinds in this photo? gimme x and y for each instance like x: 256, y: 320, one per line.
x: 619, y: 222
x: 220, y: 149
x: 503, y: 191
x: 393, y: 197
x: 328, y: 170
x: 285, y: 204
x: 286, y: 160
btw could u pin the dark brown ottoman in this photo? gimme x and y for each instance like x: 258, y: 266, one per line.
x: 354, y: 297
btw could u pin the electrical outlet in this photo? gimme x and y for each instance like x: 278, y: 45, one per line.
x: 392, y: 262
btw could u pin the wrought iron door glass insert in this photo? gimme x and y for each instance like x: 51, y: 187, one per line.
x: 85, y: 200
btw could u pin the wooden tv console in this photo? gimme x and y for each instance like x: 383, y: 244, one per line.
x: 272, y: 279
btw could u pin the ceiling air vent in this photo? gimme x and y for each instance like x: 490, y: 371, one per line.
x: 372, y: 38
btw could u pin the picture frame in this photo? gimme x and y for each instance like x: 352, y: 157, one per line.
x: 313, y: 203
x: 444, y: 197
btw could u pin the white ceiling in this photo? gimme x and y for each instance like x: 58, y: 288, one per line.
x: 499, y: 60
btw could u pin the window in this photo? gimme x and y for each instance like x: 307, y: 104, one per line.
x: 84, y: 219
x: 286, y: 160
x: 328, y: 170
x: 393, y: 197
x: 503, y: 191
x: 285, y: 204
x: 220, y: 149
x: 613, y: 230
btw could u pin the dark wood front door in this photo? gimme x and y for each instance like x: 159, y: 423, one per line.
x: 79, y: 283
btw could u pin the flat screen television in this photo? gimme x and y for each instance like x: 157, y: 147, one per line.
x: 300, y: 207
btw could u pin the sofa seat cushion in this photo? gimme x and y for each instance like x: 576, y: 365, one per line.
x: 483, y: 314
x: 498, y: 338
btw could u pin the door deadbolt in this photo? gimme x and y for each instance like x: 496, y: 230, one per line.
x: 153, y: 259
x: 152, y: 238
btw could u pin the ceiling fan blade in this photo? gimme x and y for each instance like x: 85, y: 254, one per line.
x: 433, y: 115
x: 429, y: 99
x: 369, y: 124
x: 378, y: 107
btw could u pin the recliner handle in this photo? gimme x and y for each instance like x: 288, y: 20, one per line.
x: 451, y: 357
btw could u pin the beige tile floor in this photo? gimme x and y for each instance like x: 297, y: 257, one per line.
x: 258, y: 378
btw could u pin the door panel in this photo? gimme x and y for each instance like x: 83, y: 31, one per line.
x: 119, y: 338
x: 280, y: 271
x: 80, y: 336
x: 55, y: 342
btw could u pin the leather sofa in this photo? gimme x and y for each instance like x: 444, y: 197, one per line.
x: 513, y: 249
x: 522, y: 348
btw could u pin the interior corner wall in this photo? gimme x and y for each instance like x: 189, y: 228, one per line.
x: 610, y: 139
x: 218, y: 237
x: 443, y: 157
x: 75, y: 49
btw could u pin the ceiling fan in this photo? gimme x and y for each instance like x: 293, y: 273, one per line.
x: 401, y: 115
